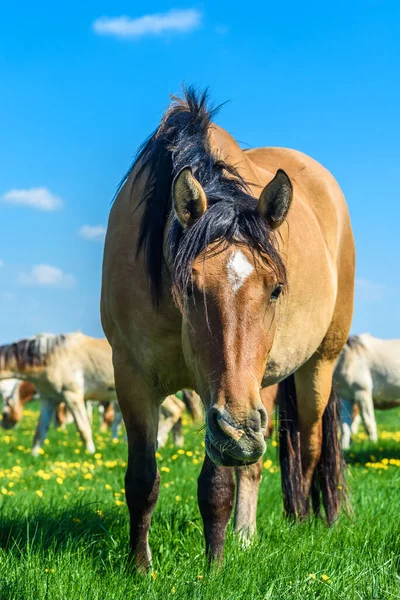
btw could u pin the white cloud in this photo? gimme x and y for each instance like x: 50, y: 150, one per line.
x: 126, y: 27
x: 38, y: 198
x: 46, y: 275
x: 92, y: 232
x: 369, y: 291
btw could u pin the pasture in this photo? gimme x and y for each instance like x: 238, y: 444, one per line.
x: 64, y: 526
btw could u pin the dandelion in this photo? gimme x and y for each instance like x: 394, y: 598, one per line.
x: 60, y: 480
x: 77, y: 451
x: 97, y: 455
x: 174, y: 456
x: 39, y: 493
x: 154, y: 575
x: 180, y: 451
x: 81, y: 488
x: 199, y: 577
x: 119, y: 503
x: 158, y: 455
x: 177, y: 498
x: 311, y: 576
x: 165, y: 469
x: 274, y: 443
x: 195, y: 461
x: 326, y: 578
x: 4, y: 491
x: 88, y: 476
x: 50, y: 570
x: 268, y: 464
x: 189, y: 453
x: 11, y: 484
x: 173, y: 590
x: 100, y: 513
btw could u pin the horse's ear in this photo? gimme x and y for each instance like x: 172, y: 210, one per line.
x: 275, y: 199
x: 190, y: 201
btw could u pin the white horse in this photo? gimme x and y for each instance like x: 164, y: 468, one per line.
x: 70, y: 368
x: 367, y: 373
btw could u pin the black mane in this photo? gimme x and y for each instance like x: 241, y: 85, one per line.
x: 181, y: 140
x: 31, y: 352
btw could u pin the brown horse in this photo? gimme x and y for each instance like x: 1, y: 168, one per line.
x: 225, y: 273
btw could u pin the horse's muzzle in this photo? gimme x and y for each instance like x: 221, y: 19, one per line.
x: 232, y: 444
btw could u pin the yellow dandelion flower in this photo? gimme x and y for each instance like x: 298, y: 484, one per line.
x: 177, y: 498
x: 173, y: 590
x: 39, y: 493
x: 117, y: 495
x: 119, y: 503
x: 100, y: 513
x: 158, y: 455
x: 46, y: 441
x: 268, y: 464
x: 174, y: 456
x: 41, y: 451
x: 4, y: 491
x: 11, y: 484
x: 81, y: 488
x: 199, y: 577
x: 325, y: 578
x: 115, y: 441
x: 311, y: 576
x: 154, y: 575
x: 189, y: 453
x: 77, y: 451
x: 108, y: 486
x: 166, y: 485
x: 195, y: 461
x: 88, y: 476
x: 97, y: 455
x: 274, y: 443
x: 180, y: 451
x: 50, y: 570
x: 60, y: 480
x: 165, y: 469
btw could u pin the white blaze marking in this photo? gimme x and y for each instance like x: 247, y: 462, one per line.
x: 239, y: 269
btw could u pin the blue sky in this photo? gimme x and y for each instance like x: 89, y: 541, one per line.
x: 81, y: 88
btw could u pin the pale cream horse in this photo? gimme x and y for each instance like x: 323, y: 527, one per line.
x: 368, y: 375
x: 70, y: 368
x: 228, y: 271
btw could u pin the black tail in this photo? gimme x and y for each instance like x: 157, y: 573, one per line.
x: 329, y: 476
x: 289, y: 450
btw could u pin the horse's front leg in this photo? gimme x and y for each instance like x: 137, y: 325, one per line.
x: 47, y: 411
x: 248, y: 480
x: 216, y: 491
x: 140, y: 410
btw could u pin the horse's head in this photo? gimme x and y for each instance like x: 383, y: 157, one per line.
x: 12, y: 408
x: 227, y: 276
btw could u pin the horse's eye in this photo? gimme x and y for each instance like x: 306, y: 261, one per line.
x: 276, y: 293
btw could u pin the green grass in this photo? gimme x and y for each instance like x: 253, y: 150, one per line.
x: 72, y: 543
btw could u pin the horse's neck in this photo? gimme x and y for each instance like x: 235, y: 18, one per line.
x: 225, y: 146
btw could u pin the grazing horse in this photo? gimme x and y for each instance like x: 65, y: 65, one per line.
x: 15, y: 395
x: 367, y: 375
x: 228, y: 271
x: 69, y: 368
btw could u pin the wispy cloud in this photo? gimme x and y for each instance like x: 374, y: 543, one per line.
x: 37, y: 198
x: 94, y: 233
x: 46, y: 275
x: 126, y: 27
x: 369, y: 290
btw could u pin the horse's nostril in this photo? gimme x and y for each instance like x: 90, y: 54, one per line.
x: 263, y: 418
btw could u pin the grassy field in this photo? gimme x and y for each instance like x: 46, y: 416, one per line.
x: 64, y: 527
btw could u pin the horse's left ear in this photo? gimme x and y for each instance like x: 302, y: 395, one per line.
x: 275, y: 199
x: 190, y: 201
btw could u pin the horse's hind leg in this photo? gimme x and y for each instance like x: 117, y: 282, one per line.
x: 346, y: 429
x: 321, y: 455
x: 365, y: 401
x: 355, y: 425
x: 75, y: 403
x: 140, y: 408
x: 216, y: 491
x: 47, y: 411
x: 248, y: 480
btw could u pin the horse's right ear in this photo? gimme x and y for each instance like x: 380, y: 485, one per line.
x: 275, y: 199
x: 190, y: 201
